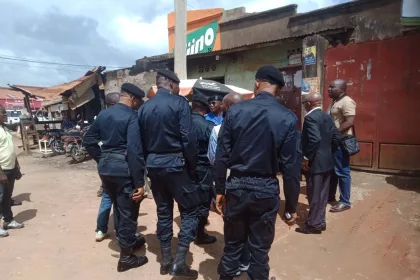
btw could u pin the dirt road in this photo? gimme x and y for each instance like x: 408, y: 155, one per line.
x: 378, y: 239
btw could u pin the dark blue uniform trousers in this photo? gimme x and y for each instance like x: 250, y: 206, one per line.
x: 169, y: 184
x: 206, y: 183
x: 250, y: 216
x: 120, y: 189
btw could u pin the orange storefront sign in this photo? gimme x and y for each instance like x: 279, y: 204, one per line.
x: 203, y: 33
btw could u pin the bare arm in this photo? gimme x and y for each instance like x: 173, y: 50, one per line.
x: 3, y: 177
x: 348, y: 123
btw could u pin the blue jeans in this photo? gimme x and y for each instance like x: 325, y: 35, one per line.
x: 341, y: 175
x: 103, y: 214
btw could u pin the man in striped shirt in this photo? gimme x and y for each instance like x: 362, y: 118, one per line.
x: 228, y: 101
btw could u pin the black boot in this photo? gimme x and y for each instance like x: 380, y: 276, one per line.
x: 128, y: 260
x: 167, y: 260
x: 202, y: 236
x: 140, y: 241
x: 225, y: 278
x: 179, y: 267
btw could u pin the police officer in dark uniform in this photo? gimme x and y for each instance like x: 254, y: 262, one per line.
x: 258, y: 138
x: 291, y: 186
x: 121, y: 166
x: 291, y: 181
x: 203, y: 127
x: 170, y: 146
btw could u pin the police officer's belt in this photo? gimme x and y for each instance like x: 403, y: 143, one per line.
x: 179, y: 154
x: 234, y: 173
x: 113, y: 155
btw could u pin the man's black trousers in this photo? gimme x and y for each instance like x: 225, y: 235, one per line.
x: 120, y: 189
x: 169, y: 184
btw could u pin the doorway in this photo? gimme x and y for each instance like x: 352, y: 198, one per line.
x: 290, y: 95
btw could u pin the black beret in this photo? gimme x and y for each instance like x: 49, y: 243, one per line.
x: 270, y: 74
x: 216, y: 98
x: 134, y: 90
x: 170, y: 75
x: 200, y: 98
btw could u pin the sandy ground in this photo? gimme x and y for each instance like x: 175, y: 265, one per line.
x: 378, y: 239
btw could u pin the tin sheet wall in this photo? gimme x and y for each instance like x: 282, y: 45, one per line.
x: 384, y: 80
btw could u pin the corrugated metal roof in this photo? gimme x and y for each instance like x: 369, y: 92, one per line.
x: 7, y: 93
x: 54, y: 92
x: 250, y: 16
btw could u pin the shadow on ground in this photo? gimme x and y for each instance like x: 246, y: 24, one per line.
x: 153, y: 246
x: 302, y: 209
x: 404, y: 183
x: 26, y: 215
x: 23, y: 197
x: 208, y: 268
x: 113, y: 244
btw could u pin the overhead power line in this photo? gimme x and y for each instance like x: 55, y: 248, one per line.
x: 35, y: 66
x: 15, y: 58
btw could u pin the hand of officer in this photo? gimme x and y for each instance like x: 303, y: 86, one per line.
x: 220, y: 203
x: 3, y: 179
x: 138, y: 194
x: 305, y: 165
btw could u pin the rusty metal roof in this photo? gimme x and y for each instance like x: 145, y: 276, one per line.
x: 7, y: 93
x: 250, y: 16
x: 54, y: 92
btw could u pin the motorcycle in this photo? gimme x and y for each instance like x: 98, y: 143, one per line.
x: 55, y: 140
x: 74, y: 143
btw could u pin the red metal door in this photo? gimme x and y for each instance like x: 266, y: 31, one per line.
x: 383, y: 78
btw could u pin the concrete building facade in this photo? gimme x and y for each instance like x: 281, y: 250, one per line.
x: 366, y: 42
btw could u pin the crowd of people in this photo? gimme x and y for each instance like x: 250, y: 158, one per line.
x: 187, y: 152
x: 222, y: 153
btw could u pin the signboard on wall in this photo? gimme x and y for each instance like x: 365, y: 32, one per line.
x: 310, y: 55
x: 203, y: 39
x: 310, y: 85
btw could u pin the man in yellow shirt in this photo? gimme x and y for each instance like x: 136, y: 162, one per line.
x: 343, y: 112
x: 9, y: 172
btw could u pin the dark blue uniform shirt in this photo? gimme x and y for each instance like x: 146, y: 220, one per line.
x: 203, y: 129
x: 258, y: 139
x: 168, y: 133
x: 121, y: 153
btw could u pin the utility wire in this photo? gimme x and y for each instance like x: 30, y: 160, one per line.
x: 14, y: 58
x: 35, y: 66
x: 189, y: 5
